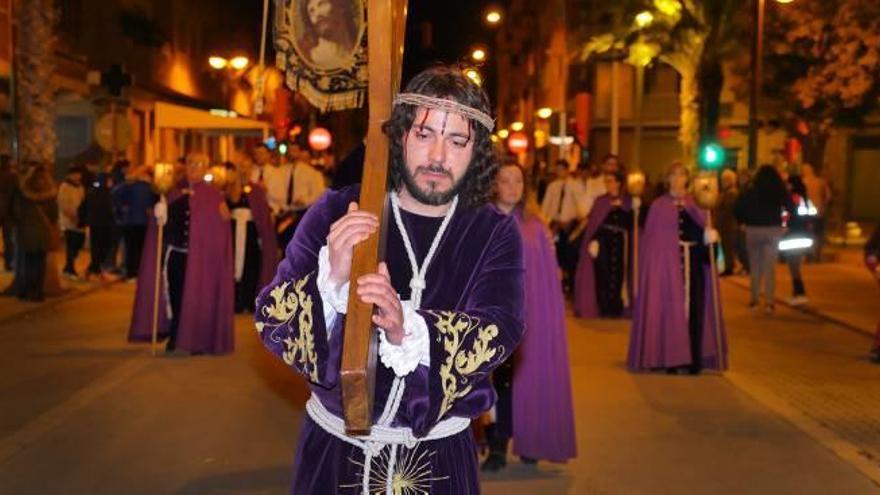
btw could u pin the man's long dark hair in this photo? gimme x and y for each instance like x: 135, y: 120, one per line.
x: 446, y: 82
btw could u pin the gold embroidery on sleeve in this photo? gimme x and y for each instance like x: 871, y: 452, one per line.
x: 462, y: 364
x: 299, y: 343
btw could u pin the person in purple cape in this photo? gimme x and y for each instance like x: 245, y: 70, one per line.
x: 196, y: 285
x: 255, y: 246
x: 449, y: 299
x: 602, y: 282
x: 534, y: 384
x: 674, y: 325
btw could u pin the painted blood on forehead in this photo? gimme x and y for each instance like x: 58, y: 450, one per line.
x: 445, y: 121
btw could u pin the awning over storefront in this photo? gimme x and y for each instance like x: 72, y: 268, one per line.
x: 170, y: 116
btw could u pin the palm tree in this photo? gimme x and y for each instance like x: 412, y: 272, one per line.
x: 695, y: 38
x: 35, y: 92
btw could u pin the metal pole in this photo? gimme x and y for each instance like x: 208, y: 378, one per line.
x: 637, y: 137
x: 157, y: 274
x: 713, y: 280
x: 615, y: 106
x: 755, y: 96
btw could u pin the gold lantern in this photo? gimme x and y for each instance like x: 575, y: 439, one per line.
x: 706, y: 189
x: 163, y: 177
x: 635, y: 183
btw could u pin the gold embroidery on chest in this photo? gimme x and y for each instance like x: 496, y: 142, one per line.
x: 462, y: 364
x: 279, y: 312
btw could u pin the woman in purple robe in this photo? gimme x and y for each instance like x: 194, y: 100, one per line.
x: 534, y: 385
x: 196, y: 284
x: 674, y: 325
x: 602, y: 282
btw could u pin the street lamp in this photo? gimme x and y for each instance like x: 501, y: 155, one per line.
x: 517, y: 126
x: 493, y: 16
x: 218, y: 63
x: 757, y: 78
x: 239, y: 63
x: 544, y: 113
x: 503, y: 133
x: 231, y: 67
x: 474, y: 75
x: 644, y: 19
x: 478, y: 54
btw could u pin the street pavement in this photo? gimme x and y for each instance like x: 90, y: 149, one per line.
x: 84, y: 412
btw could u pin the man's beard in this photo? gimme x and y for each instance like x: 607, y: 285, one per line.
x: 432, y: 196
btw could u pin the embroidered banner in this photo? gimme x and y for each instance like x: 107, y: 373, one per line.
x: 321, y: 47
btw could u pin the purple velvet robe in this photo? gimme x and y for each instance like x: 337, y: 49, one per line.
x: 543, y: 415
x: 659, y: 336
x: 473, y: 309
x: 584, y: 304
x: 206, y: 320
x: 265, y: 231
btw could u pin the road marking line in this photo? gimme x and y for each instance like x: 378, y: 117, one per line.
x: 42, y: 424
x: 846, y: 451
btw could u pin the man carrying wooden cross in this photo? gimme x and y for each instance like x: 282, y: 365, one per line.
x: 448, y: 298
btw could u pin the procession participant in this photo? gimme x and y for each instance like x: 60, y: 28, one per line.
x: 602, y: 282
x: 535, y: 382
x: 674, y: 325
x: 564, y: 207
x: 255, y: 250
x: 449, y: 302
x: 196, y: 298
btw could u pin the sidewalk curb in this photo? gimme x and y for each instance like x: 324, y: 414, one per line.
x: 54, y: 302
x: 808, y: 310
x: 862, y: 460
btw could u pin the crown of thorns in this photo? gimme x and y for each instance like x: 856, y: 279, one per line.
x: 451, y: 106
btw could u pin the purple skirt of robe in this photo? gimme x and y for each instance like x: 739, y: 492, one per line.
x: 543, y: 416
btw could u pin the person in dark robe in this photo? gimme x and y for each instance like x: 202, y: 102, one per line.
x: 602, y: 281
x: 36, y: 215
x: 674, y: 325
x: 196, y: 276
x: 872, y: 262
x: 254, y: 244
x: 449, y: 301
x: 535, y: 383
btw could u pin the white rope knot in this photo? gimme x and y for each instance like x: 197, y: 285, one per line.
x: 417, y: 284
x: 373, y: 449
x: 410, y: 440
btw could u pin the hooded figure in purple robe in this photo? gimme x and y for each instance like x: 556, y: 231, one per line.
x: 674, y: 324
x: 254, y: 243
x: 448, y: 300
x: 196, y: 282
x: 535, y: 383
x: 602, y: 285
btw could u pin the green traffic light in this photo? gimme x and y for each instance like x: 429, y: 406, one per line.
x: 712, y: 156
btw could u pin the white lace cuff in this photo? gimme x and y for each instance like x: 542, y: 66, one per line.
x: 335, y: 302
x: 414, y: 350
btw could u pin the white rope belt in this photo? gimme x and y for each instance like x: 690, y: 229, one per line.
x: 380, y: 436
x: 169, y: 311
x: 686, y: 249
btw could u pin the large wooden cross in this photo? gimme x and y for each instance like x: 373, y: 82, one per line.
x: 386, y: 29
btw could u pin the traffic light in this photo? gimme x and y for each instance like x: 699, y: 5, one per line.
x: 712, y: 156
